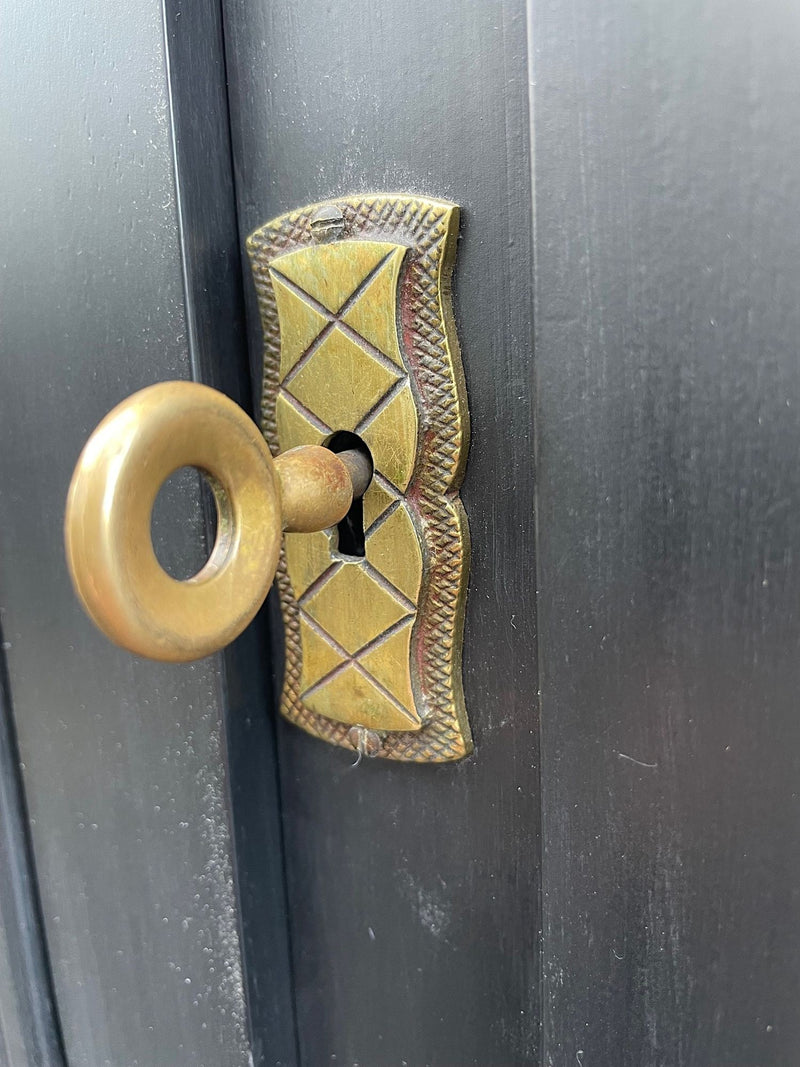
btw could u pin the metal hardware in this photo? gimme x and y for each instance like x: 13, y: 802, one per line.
x: 358, y: 329
x: 107, y: 526
x: 360, y: 355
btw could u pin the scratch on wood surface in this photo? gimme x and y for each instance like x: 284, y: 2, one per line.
x: 638, y: 762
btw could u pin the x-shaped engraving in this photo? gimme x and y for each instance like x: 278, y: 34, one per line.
x: 334, y: 319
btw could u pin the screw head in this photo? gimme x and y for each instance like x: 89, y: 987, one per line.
x: 366, y: 742
x: 327, y: 224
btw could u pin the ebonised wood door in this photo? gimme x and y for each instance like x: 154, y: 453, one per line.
x: 612, y: 878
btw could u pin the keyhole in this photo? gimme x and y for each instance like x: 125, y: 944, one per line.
x: 350, y: 531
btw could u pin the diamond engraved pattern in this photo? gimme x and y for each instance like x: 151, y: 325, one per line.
x: 340, y: 370
x: 360, y: 380
x: 352, y: 582
x: 427, y: 489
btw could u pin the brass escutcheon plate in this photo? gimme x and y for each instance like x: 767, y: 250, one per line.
x: 359, y: 336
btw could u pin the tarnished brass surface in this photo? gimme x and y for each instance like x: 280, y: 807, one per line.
x: 316, y: 488
x: 107, y: 526
x: 355, y: 305
x: 109, y: 548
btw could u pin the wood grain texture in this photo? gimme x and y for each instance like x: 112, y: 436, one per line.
x: 124, y: 770
x: 668, y: 416
x: 414, y: 891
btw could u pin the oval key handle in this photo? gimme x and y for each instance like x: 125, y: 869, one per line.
x: 125, y: 462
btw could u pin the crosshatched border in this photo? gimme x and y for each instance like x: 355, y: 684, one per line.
x: 429, y: 230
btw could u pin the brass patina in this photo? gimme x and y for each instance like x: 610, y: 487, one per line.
x: 128, y: 458
x: 359, y: 340
x: 359, y: 336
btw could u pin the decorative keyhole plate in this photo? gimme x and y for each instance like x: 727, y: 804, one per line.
x: 355, y: 305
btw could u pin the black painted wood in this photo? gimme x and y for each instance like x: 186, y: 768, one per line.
x: 219, y: 356
x: 413, y: 891
x: 668, y: 416
x: 667, y: 395
x: 120, y: 268
x: 30, y: 1034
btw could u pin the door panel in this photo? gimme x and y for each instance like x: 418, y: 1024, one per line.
x: 612, y: 885
x: 122, y: 259
x: 668, y: 422
x: 414, y: 890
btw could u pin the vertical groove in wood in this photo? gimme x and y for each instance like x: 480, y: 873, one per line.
x: 212, y: 279
x: 30, y: 1033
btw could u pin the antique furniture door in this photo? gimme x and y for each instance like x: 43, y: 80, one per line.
x: 610, y: 877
